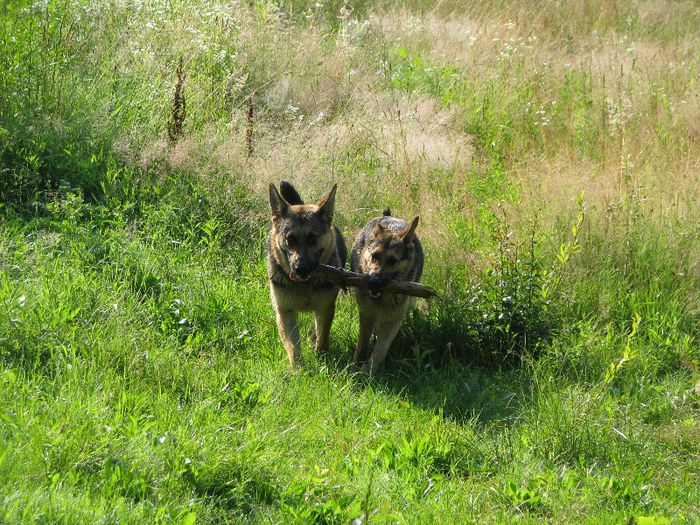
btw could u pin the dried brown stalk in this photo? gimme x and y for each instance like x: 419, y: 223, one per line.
x: 249, y: 129
x: 360, y: 280
x: 178, y: 112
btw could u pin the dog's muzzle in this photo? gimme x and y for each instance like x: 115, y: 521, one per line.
x: 376, y: 281
x: 301, y: 272
x: 296, y: 277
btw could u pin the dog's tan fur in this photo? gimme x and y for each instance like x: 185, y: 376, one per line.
x: 302, y: 237
x: 386, y: 248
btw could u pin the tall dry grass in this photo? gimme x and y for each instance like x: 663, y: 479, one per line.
x: 325, y: 113
x: 444, y: 110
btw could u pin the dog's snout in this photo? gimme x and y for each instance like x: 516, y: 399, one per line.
x: 303, y: 268
x: 376, y: 280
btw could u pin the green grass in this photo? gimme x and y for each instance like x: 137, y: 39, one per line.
x: 142, y: 379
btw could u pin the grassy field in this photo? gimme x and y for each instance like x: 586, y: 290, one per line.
x: 552, y: 150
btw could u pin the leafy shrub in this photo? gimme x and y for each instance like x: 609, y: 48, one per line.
x: 506, y: 316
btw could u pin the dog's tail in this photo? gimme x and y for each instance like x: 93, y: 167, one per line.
x: 290, y: 194
x: 387, y: 212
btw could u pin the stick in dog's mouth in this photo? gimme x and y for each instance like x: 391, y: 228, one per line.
x: 359, y: 280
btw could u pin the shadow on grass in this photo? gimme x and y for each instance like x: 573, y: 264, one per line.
x: 461, y: 392
x: 462, y: 355
x: 460, y: 389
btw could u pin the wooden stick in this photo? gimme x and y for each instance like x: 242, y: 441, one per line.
x: 361, y: 280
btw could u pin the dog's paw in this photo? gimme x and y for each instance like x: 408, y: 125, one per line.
x: 363, y: 368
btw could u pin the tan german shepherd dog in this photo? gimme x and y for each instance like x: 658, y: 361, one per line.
x: 302, y: 237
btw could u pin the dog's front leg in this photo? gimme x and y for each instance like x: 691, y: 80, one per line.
x: 366, y: 326
x: 385, y: 333
x: 289, y: 333
x: 324, y: 320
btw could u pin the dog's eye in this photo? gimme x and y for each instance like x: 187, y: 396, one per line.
x: 311, y: 239
x: 391, y: 260
x: 291, y: 239
x: 375, y: 256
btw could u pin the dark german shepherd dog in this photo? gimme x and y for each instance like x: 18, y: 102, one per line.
x: 386, y: 248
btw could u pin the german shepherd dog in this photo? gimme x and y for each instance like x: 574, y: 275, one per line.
x: 302, y: 237
x: 386, y: 248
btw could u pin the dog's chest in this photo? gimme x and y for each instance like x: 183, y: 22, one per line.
x: 303, y: 298
x: 387, y: 307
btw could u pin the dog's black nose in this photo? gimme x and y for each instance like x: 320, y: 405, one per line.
x: 303, y: 269
x: 375, y: 280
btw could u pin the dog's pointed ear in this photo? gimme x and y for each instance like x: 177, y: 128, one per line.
x: 378, y: 228
x: 277, y: 203
x: 377, y: 231
x: 290, y: 194
x: 409, y: 232
x: 326, y: 205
